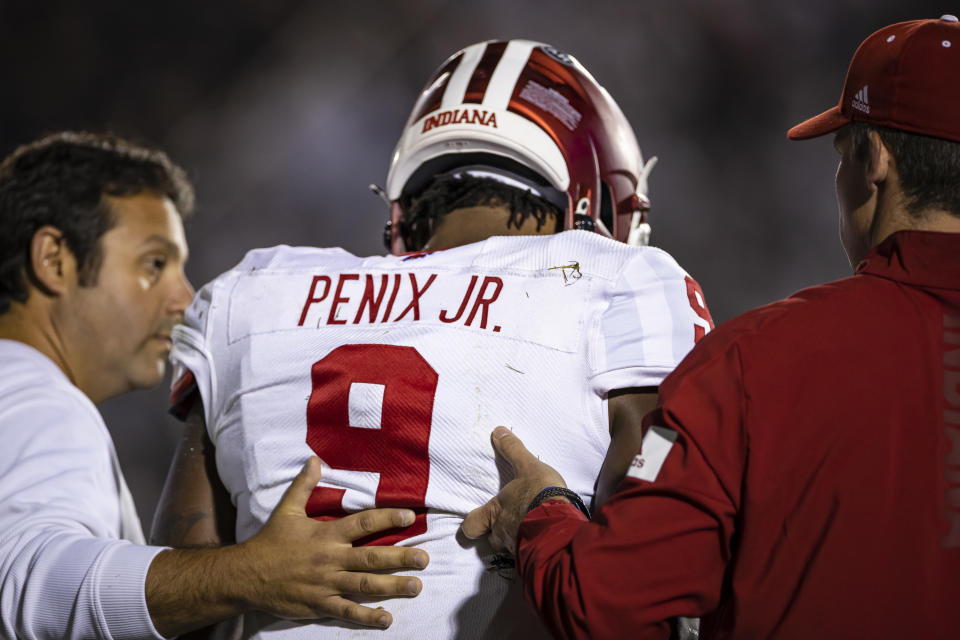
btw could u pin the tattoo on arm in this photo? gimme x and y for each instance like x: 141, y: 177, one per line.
x: 195, y: 508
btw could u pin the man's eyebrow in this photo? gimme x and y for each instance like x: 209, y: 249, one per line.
x: 170, y: 246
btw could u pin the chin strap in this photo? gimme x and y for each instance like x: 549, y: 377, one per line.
x: 639, y: 235
x: 639, y: 230
x: 379, y: 192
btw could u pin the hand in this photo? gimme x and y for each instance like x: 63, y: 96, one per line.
x: 501, y: 516
x: 301, y: 568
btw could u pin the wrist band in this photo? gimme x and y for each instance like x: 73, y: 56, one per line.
x: 552, y: 492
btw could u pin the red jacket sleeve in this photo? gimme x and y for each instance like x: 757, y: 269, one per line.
x: 658, y: 548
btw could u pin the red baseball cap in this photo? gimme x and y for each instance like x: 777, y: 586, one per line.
x: 905, y: 76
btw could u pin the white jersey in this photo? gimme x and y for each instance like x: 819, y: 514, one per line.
x: 394, y: 370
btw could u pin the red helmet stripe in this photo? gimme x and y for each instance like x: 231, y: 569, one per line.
x: 432, y: 94
x: 459, y: 79
x: 481, y: 77
x: 504, y: 78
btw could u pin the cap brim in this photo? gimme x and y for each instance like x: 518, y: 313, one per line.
x: 827, y: 122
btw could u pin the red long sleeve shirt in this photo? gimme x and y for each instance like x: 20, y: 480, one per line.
x: 813, y: 489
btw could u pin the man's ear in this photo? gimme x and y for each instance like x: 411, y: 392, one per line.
x: 880, y: 160
x: 53, y: 266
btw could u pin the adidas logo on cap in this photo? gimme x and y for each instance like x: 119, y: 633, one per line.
x: 861, y: 101
x: 913, y: 70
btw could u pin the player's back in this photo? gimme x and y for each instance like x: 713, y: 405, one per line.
x: 394, y: 370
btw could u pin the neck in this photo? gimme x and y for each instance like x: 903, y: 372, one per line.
x: 31, y: 324
x: 938, y: 220
x: 474, y: 224
x: 901, y: 220
x: 891, y: 214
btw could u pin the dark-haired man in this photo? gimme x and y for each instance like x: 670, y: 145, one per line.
x: 392, y: 369
x: 800, y: 477
x: 92, y: 251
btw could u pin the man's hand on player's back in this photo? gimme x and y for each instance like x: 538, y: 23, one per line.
x: 295, y: 567
x: 500, y: 517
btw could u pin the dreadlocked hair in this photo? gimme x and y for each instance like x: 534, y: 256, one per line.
x: 448, y: 193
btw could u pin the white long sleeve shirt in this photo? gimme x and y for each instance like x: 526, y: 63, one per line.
x: 72, y: 559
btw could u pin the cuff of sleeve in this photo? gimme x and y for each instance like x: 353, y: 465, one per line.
x: 123, y: 575
x: 545, y: 530
x: 553, y: 509
x: 629, y: 377
x: 189, y: 353
x: 546, y: 517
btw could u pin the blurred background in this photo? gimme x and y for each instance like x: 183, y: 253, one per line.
x: 283, y: 111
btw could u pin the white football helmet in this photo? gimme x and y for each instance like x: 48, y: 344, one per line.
x: 530, y: 112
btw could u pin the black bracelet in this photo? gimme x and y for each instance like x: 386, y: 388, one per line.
x: 551, y: 492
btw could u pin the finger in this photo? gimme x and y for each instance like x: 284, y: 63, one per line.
x: 496, y: 541
x: 375, y: 584
x: 511, y: 448
x: 479, y: 521
x: 295, y: 498
x: 380, y: 558
x: 499, y: 542
x: 343, y: 609
x: 362, y: 524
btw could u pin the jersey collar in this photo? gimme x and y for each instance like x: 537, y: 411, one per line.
x: 922, y: 258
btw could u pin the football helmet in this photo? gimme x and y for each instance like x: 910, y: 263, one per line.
x: 526, y: 111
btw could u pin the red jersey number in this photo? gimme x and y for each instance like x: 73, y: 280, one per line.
x: 398, y: 450
x: 699, y: 306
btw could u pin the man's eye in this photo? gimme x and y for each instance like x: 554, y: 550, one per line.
x: 156, y: 264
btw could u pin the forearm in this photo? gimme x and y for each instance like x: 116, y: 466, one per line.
x: 646, y: 558
x: 194, y: 509
x: 544, y: 567
x: 573, y: 585
x: 189, y: 589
